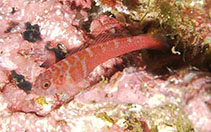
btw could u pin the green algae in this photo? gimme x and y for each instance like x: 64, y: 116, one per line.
x: 135, y: 118
x: 105, y: 117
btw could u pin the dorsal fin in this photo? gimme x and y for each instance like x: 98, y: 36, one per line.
x: 94, y: 40
x: 102, y: 29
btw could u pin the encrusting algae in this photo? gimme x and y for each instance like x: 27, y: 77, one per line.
x: 135, y: 118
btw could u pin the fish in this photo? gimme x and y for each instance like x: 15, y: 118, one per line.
x: 62, y: 80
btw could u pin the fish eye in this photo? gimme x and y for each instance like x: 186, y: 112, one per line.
x: 46, y: 84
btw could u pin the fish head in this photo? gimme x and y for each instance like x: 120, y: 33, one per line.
x: 53, y: 85
x: 44, y: 85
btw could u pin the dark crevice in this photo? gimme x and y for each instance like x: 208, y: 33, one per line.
x: 60, y: 51
x: 32, y: 33
x: 20, y: 81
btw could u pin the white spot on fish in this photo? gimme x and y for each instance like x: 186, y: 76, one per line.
x: 89, y: 52
x: 50, y: 70
x: 84, y: 67
x: 65, y: 61
x: 68, y: 78
x: 76, y: 57
x: 129, y: 39
x: 116, y: 43
x: 59, y: 67
x: 103, y: 48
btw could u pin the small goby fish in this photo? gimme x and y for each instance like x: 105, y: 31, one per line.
x: 64, y: 76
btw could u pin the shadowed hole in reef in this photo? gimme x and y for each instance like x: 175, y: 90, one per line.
x: 60, y: 50
x: 32, y: 33
x: 20, y: 81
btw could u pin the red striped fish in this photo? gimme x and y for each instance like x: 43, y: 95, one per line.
x: 64, y: 76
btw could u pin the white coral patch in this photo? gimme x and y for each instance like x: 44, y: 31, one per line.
x: 6, y: 63
x: 97, y: 122
x: 156, y: 100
